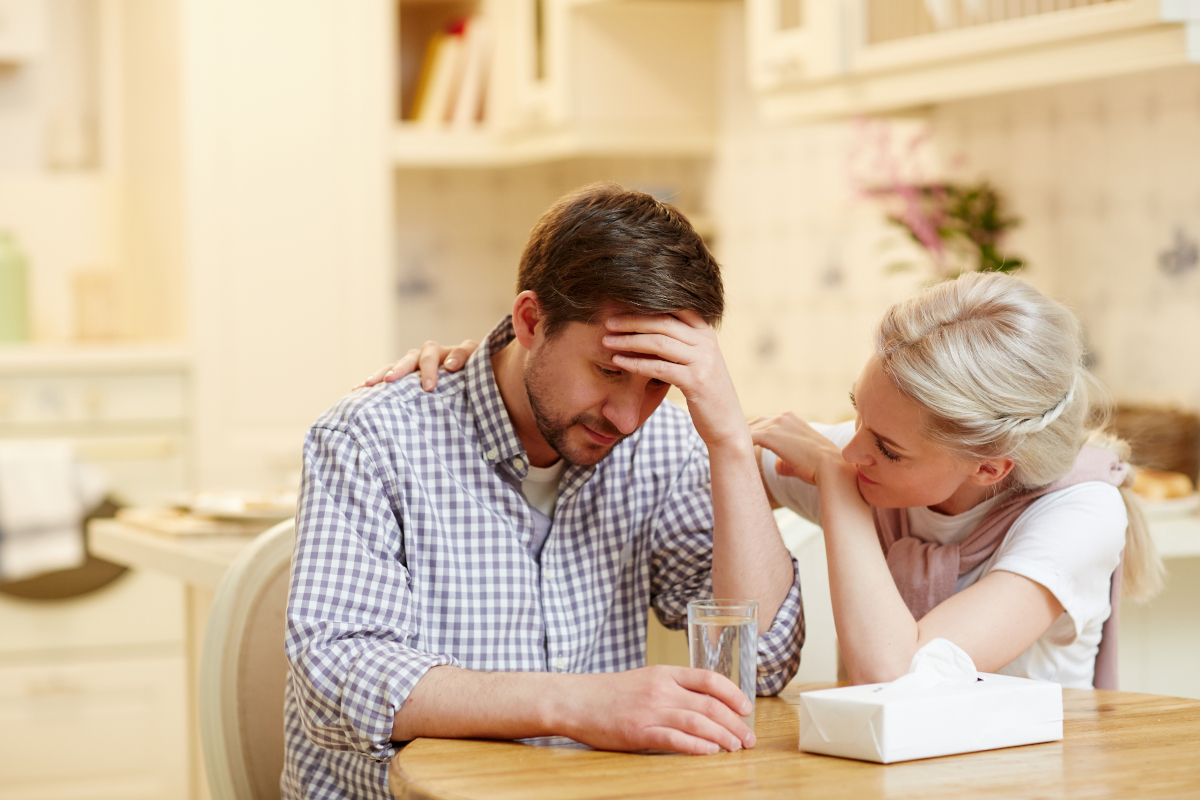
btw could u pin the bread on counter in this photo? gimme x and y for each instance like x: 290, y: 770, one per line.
x: 1153, y: 484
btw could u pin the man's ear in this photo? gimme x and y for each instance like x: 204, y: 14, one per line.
x: 991, y: 471
x: 527, y: 315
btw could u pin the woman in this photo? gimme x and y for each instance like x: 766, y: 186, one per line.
x: 973, y: 498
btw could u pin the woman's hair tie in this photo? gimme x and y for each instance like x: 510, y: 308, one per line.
x: 1046, y: 419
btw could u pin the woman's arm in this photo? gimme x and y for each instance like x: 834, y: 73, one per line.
x: 994, y: 621
x: 771, y: 501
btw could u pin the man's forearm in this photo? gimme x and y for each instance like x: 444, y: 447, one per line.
x: 454, y: 703
x: 749, y: 559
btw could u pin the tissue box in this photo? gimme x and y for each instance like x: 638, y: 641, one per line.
x: 885, y: 723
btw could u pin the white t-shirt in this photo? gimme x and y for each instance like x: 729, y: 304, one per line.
x: 540, y: 486
x: 1069, y: 541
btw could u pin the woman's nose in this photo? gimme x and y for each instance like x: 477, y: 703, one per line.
x: 855, y: 452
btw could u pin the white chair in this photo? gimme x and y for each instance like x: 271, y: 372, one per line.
x: 243, y: 670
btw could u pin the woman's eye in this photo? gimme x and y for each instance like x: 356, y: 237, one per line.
x: 608, y: 373
x: 889, y: 455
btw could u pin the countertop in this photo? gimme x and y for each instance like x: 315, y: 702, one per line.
x: 202, y: 560
x: 196, y: 560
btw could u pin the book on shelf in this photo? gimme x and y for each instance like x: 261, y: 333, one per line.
x: 472, y: 92
x: 452, y: 87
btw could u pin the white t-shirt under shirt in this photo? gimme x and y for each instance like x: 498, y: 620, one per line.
x: 1069, y: 541
x: 540, y: 488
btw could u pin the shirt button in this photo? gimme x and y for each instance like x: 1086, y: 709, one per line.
x: 491, y: 454
x: 560, y: 664
x: 518, y: 463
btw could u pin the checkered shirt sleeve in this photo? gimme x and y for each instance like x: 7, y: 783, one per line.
x: 351, y: 606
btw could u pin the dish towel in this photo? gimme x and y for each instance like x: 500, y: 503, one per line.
x: 44, y: 494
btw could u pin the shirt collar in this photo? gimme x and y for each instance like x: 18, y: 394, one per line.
x: 498, y: 442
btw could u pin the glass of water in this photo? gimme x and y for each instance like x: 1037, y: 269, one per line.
x: 723, y: 637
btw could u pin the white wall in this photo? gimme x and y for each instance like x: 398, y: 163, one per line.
x: 287, y: 122
x: 460, y: 233
x: 1105, y: 174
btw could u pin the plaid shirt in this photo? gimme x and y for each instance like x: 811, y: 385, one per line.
x: 412, y: 551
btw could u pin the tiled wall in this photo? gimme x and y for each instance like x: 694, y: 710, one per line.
x: 1105, y: 175
x: 460, y: 234
x: 806, y: 268
x: 1107, y: 178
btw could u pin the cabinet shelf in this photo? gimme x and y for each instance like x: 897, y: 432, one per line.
x: 415, y: 148
x: 92, y: 359
x: 1060, y: 63
x: 569, y: 78
x: 885, y: 62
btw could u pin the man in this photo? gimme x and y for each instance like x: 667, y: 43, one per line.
x: 478, y: 561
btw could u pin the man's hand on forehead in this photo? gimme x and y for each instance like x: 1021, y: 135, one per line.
x: 681, y: 349
x: 630, y: 323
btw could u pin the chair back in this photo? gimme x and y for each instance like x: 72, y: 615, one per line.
x: 243, y: 671
x: 1105, y: 675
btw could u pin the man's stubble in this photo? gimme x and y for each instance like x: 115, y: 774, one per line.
x: 554, y: 428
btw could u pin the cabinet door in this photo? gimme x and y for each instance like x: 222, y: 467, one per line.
x: 22, y: 30
x: 102, y: 728
x: 905, y: 34
x: 141, y: 609
x: 795, y: 41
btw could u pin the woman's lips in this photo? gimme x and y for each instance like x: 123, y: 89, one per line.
x: 865, y: 479
x: 599, y: 438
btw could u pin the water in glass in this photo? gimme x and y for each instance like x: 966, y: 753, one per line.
x: 729, y: 645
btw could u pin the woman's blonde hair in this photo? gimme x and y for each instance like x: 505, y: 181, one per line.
x: 998, y: 367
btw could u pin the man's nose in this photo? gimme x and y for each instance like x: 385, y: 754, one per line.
x: 623, y: 409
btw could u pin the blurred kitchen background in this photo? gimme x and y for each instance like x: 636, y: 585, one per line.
x: 217, y: 217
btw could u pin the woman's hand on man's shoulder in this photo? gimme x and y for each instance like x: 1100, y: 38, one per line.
x: 428, y: 359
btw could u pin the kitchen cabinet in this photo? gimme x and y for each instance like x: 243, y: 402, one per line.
x: 22, y: 30
x: 92, y: 694
x: 125, y: 409
x: 834, y: 58
x: 570, y: 78
x: 791, y: 42
x: 104, y: 668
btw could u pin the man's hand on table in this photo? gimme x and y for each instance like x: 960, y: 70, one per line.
x: 657, y: 708
x: 653, y: 708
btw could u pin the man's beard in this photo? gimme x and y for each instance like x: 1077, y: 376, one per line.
x: 554, y: 429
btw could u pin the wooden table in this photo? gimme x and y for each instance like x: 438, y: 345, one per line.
x: 1116, y: 744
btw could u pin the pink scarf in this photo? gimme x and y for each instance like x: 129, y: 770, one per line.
x: 926, y: 573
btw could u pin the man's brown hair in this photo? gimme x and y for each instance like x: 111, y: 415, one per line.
x: 603, y: 246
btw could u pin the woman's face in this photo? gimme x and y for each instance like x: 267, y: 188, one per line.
x: 897, y: 466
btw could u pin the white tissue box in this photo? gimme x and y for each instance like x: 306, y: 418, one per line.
x: 884, y: 723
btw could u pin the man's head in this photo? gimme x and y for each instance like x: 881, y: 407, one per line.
x: 600, y: 251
